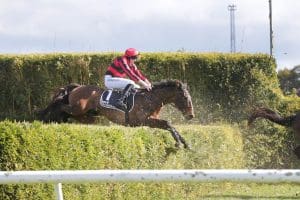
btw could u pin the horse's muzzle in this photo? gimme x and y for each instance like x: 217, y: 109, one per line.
x: 189, y: 113
x: 189, y: 116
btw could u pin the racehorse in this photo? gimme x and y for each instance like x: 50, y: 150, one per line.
x: 292, y: 121
x: 81, y: 102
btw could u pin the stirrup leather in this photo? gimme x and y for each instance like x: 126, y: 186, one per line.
x: 121, y: 105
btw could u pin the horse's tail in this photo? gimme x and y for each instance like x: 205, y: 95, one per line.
x: 272, y: 116
x: 53, y: 113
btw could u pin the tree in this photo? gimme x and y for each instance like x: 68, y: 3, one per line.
x: 289, y: 79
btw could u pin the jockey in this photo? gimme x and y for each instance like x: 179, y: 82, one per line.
x: 122, y: 67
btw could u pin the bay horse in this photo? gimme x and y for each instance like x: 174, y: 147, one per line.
x: 292, y: 121
x: 81, y: 102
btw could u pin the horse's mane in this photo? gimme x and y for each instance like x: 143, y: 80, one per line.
x: 168, y: 83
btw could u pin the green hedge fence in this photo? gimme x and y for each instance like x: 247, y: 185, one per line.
x: 223, y: 86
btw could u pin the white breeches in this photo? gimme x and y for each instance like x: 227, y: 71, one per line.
x: 118, y: 83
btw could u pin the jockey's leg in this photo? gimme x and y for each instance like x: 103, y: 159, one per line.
x: 126, y: 92
x: 120, y: 83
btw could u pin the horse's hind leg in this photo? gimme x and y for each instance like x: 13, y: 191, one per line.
x: 52, y: 113
x: 73, y: 110
x: 163, y: 124
x: 57, y: 114
x: 80, y: 115
x: 43, y: 115
x: 85, y: 119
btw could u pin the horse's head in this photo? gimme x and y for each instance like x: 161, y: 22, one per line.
x: 178, y: 95
x: 183, y: 101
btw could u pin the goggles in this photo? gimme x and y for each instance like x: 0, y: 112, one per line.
x: 134, y: 57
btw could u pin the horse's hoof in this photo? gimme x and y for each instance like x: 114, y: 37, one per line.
x: 188, y: 147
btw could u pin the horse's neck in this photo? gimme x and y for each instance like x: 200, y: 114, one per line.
x: 164, y: 95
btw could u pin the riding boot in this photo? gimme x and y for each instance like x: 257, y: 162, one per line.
x: 121, y: 102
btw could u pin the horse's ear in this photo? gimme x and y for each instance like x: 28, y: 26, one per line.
x: 185, y: 86
x: 179, y: 84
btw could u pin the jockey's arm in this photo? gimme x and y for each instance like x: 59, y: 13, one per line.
x: 148, y: 82
x: 142, y: 77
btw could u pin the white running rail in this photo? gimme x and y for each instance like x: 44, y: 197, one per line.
x: 194, y: 175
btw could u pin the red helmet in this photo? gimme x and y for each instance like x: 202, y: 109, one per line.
x: 131, y: 52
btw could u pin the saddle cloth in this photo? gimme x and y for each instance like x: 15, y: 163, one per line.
x: 109, y: 98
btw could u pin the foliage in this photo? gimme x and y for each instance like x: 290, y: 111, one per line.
x: 223, y: 86
x: 289, y: 79
x: 267, y: 145
x: 35, y: 146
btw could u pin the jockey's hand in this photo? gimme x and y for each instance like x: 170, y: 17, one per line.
x: 149, y: 84
x: 143, y: 84
x: 149, y: 87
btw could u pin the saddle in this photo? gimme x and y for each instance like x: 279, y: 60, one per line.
x: 109, y: 98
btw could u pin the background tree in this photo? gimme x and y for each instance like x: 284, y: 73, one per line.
x: 289, y: 79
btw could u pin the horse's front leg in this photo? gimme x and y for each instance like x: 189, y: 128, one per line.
x: 163, y: 124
